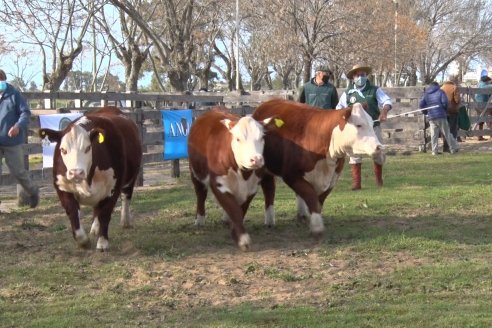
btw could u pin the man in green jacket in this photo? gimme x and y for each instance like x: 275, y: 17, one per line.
x: 319, y: 92
x: 360, y: 90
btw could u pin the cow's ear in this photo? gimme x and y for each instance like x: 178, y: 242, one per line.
x: 53, y: 135
x: 346, y: 113
x: 98, y: 135
x: 272, y: 123
x: 228, y: 123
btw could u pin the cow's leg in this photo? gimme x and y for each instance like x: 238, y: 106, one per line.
x: 268, y: 187
x: 72, y: 209
x: 201, y: 191
x: 323, y: 195
x: 126, y: 197
x: 236, y: 215
x: 337, y: 171
x: 125, y: 219
x: 245, y: 205
x: 304, y: 189
x: 102, y: 213
x: 302, y: 209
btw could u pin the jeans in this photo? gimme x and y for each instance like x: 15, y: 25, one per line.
x: 14, y: 158
x: 441, y: 125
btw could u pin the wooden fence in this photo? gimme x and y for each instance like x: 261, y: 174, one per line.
x: 406, y: 132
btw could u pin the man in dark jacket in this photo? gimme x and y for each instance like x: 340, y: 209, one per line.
x: 437, y: 116
x: 14, y: 120
x: 319, y: 92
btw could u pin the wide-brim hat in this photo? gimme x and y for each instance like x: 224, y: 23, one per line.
x: 358, y: 67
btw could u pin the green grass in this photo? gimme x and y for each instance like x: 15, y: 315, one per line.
x: 415, y: 253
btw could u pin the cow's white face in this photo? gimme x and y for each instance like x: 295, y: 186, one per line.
x: 76, y: 152
x: 357, y: 137
x: 247, y: 142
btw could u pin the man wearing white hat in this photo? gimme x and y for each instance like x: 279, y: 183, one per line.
x: 360, y: 90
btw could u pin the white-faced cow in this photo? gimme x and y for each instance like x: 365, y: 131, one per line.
x: 97, y: 158
x: 308, y: 151
x: 225, y: 154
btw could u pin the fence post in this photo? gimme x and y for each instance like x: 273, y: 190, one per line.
x: 77, y: 102
x: 139, y: 120
x: 129, y: 102
x: 48, y: 102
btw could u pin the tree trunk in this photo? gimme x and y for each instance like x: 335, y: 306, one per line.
x: 307, y: 64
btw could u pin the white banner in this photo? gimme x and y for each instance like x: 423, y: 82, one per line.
x: 54, y: 122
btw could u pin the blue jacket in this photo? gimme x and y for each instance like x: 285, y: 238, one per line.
x: 14, y: 110
x: 482, y: 97
x: 433, y: 95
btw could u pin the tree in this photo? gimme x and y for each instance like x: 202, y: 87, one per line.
x: 21, y: 64
x: 57, y: 28
x: 173, y: 32
x: 453, y: 29
x: 315, y: 23
x: 127, y: 39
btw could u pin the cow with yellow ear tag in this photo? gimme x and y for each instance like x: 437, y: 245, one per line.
x: 97, y: 158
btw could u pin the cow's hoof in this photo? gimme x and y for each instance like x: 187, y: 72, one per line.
x: 316, y: 224
x: 82, y: 239
x: 269, y: 221
x: 102, y: 244
x: 200, y: 220
x: 244, y: 242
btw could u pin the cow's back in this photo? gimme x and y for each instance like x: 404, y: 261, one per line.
x: 303, y: 137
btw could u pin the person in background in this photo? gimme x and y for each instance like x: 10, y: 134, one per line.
x: 14, y: 120
x: 483, y: 100
x: 450, y: 88
x: 437, y: 116
x: 360, y: 90
x: 319, y: 92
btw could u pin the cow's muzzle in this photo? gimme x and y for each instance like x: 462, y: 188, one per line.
x: 76, y: 175
x: 257, y: 161
x: 379, y: 156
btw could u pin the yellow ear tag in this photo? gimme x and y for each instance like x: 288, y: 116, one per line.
x: 278, y: 122
x: 43, y: 133
x: 100, y: 138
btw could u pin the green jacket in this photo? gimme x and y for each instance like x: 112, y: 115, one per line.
x: 323, y: 96
x: 368, y: 96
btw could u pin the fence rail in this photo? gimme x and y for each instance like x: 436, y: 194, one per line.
x: 406, y: 131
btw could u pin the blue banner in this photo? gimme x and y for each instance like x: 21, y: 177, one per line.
x: 177, y: 124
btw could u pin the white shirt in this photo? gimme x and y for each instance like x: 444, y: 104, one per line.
x: 381, y: 97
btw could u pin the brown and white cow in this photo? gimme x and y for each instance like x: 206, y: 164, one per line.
x: 225, y: 154
x: 308, y: 151
x: 97, y: 157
